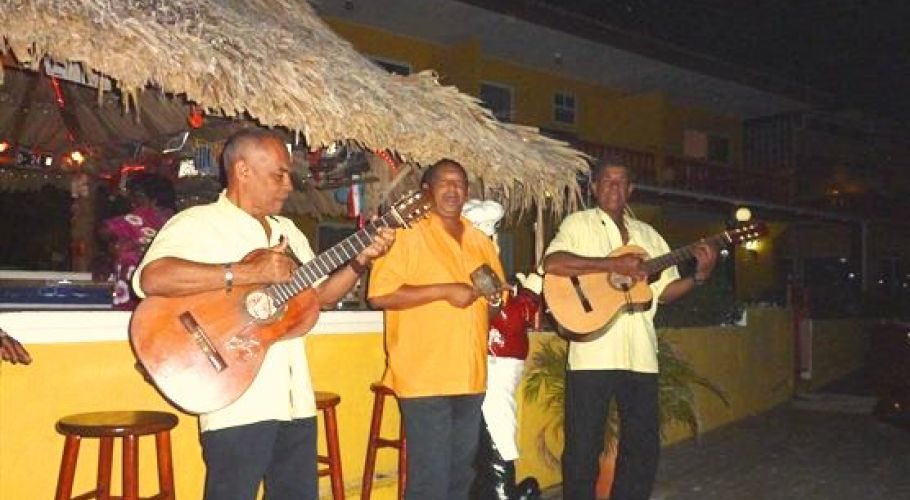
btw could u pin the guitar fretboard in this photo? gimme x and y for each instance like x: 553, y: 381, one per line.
x: 323, y: 264
x: 682, y: 254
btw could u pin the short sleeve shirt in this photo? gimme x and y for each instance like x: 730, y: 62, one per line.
x: 221, y: 232
x: 435, y: 349
x: 630, y: 342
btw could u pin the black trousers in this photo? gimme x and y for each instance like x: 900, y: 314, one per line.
x: 282, y: 454
x: 588, y: 395
x: 442, y: 434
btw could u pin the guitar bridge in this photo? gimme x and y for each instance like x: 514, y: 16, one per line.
x: 202, y: 341
x: 585, y: 303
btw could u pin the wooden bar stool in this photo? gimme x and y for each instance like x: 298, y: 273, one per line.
x: 107, y: 425
x: 326, y: 403
x: 375, y: 442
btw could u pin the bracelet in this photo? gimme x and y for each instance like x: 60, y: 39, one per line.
x: 698, y: 281
x: 357, y: 267
x: 228, y: 278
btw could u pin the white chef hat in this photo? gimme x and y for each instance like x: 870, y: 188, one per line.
x: 531, y: 281
x: 483, y: 214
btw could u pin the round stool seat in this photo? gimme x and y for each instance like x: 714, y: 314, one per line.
x: 381, y: 389
x: 117, y: 423
x: 326, y: 400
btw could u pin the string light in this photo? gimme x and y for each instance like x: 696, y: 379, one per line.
x: 387, y: 158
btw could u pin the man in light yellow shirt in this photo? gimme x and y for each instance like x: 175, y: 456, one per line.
x: 622, y: 360
x: 269, y: 433
x: 436, y: 336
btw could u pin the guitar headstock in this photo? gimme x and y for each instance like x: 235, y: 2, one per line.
x: 411, y: 207
x: 746, y: 232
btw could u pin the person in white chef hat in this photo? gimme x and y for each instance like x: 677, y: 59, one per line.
x: 507, y: 349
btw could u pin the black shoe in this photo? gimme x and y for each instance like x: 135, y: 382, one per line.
x: 527, y: 489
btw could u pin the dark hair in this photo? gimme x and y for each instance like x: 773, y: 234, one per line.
x: 430, y: 173
x: 598, y: 169
x: 242, y: 139
x: 153, y: 187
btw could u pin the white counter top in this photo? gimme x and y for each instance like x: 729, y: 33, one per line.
x: 59, y: 327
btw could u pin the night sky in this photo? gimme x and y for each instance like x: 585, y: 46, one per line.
x: 856, y: 51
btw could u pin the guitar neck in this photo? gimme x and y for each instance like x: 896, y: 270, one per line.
x: 659, y: 263
x: 325, y: 263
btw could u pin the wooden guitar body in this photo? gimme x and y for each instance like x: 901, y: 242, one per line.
x: 203, y: 351
x: 585, y: 304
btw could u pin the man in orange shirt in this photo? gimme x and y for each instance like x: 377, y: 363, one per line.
x: 436, y: 336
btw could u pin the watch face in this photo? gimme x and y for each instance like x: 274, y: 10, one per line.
x: 260, y: 305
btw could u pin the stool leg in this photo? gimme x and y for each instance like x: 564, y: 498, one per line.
x: 130, y: 467
x: 369, y: 466
x: 402, y: 461
x: 105, y: 457
x: 334, y: 452
x: 165, y: 465
x: 67, y: 468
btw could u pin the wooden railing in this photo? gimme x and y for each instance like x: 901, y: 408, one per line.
x: 723, y: 180
x: 696, y: 176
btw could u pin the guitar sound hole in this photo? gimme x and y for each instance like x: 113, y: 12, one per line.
x: 621, y: 282
x: 260, y: 305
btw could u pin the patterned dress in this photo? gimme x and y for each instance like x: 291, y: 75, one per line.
x: 131, y: 235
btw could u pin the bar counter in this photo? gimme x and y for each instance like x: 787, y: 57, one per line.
x: 82, y: 362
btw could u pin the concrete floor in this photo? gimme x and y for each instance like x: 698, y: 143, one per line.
x: 820, y: 446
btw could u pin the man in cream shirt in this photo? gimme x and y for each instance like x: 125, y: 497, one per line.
x: 622, y: 361
x: 269, y: 433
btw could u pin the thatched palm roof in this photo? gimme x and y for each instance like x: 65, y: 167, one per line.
x: 278, y: 62
x: 30, y: 115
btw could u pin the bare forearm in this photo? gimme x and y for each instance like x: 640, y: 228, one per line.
x: 677, y: 290
x: 336, y: 286
x: 568, y: 264
x: 409, y: 296
x: 175, y: 277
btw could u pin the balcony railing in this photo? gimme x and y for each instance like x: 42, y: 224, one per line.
x: 723, y: 180
x: 696, y: 176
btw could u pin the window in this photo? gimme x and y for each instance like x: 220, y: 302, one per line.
x: 564, y: 108
x: 704, y: 146
x: 498, y: 99
x: 394, y: 67
x: 718, y: 149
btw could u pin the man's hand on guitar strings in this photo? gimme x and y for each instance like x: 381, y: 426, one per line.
x: 381, y: 244
x: 706, y: 259
x: 268, y: 265
x: 629, y: 264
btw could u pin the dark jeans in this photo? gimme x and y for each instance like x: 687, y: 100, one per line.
x: 237, y: 459
x: 442, y: 434
x: 588, y: 394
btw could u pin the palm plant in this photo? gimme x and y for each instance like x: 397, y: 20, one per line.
x: 545, y: 385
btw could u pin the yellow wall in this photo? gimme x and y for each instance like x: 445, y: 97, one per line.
x: 99, y: 376
x: 646, y: 122
x: 838, y: 348
x: 752, y: 364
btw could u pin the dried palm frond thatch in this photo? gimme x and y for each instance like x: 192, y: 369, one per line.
x: 276, y: 61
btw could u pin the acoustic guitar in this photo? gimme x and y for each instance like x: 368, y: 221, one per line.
x: 585, y: 304
x: 203, y: 351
